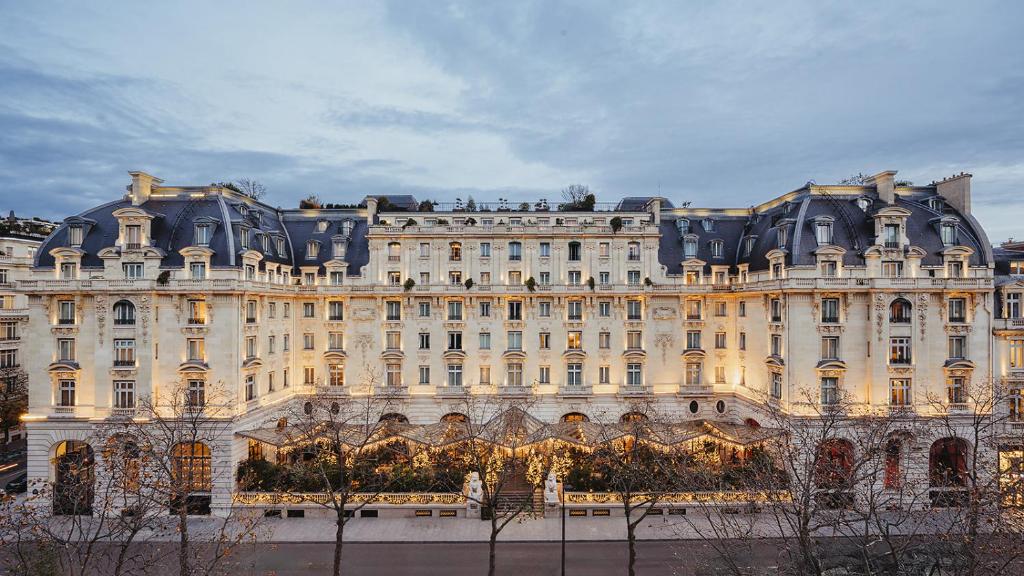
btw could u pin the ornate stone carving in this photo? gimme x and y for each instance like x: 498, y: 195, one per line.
x: 664, y: 313
x: 830, y: 329
x: 664, y: 342
x: 100, y: 300
x: 364, y: 314
x: 880, y: 306
x: 144, y: 308
x: 922, y: 312
x: 364, y: 342
x: 959, y: 329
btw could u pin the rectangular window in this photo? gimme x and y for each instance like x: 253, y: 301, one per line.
x: 270, y: 382
x: 720, y: 309
x: 454, y: 375
x: 604, y: 374
x: 308, y: 375
x: 1017, y: 354
x: 424, y: 375
x: 604, y: 309
x: 195, y: 397
x: 776, y: 385
x: 424, y: 309
x: 424, y: 340
x: 307, y: 341
x: 633, y: 277
x: 545, y: 249
x: 335, y: 341
x: 250, y: 312
x: 891, y: 234
x: 604, y: 278
x: 742, y: 341
x: 335, y: 311
x: 955, y: 269
x: 514, y: 374
x: 830, y: 310
x: 693, y: 373
x: 693, y: 340
x: 75, y: 235
x: 250, y: 387
x: 604, y: 250
x: 424, y: 278
x: 545, y: 341
x: 634, y: 340
x: 720, y: 340
x: 776, y: 309
x: 515, y: 310
x: 515, y: 251
x: 829, y: 269
x: 899, y: 350
x: 394, y: 375
x: 823, y: 233
x: 957, y: 347
x: 515, y: 340
x: 693, y: 310
x: 741, y: 311
x: 455, y: 340
x: 899, y: 392
x: 719, y: 374
x: 65, y: 351
x: 485, y: 249
x: 393, y: 340
x: 575, y: 278
x: 829, y: 390
x: 544, y: 310
x: 892, y: 269
x: 124, y: 394
x: 394, y: 310
x: 574, y: 374
x: 68, y: 271
x: 634, y: 310
x: 124, y: 352
x: 634, y: 375
x: 132, y: 271
x: 545, y: 278
x: 544, y: 375
x: 574, y: 340
x: 284, y: 378
x: 957, y: 310
x: 485, y: 340
x: 776, y: 345
x: 829, y: 347
x: 66, y: 393
x: 955, y: 390
x: 66, y: 312
x: 197, y: 312
x: 455, y: 309
x: 424, y: 250
x: 575, y: 310
x: 308, y: 310
x: 197, y: 349
x: 272, y: 344
x: 1013, y: 308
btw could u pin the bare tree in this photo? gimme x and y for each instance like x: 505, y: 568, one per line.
x: 340, y: 439
x: 252, y: 188
x: 496, y: 435
x: 577, y: 197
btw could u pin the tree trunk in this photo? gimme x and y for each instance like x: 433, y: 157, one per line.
x: 339, y: 541
x: 631, y: 538
x: 184, y: 568
x: 492, y: 545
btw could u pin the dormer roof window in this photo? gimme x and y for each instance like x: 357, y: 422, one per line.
x: 782, y: 233
x: 690, y: 247
x: 202, y: 235
x: 312, y: 248
x: 321, y: 226
x: 280, y: 246
x: 748, y: 245
x: 717, y: 249
x: 864, y: 203
x: 243, y: 234
x: 75, y: 235
x: 948, y: 232
x: 346, y: 227
x: 708, y: 224
x: 264, y: 243
x: 936, y: 203
x: 823, y: 232
x: 338, y: 248
x: 683, y: 226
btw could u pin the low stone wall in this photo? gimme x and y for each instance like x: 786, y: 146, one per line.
x: 384, y: 505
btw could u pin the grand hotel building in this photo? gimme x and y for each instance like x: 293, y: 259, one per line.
x: 890, y: 293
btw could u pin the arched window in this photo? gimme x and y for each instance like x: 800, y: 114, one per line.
x: 947, y: 463
x: 395, y: 418
x: 900, y: 311
x: 833, y: 468
x: 575, y: 417
x: 893, y: 474
x: 455, y: 417
x: 124, y: 313
x: 74, y: 477
x: 630, y: 417
x: 575, y: 251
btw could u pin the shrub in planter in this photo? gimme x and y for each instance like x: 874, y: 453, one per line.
x: 409, y: 283
x: 531, y: 284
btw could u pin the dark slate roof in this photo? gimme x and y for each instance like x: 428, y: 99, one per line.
x: 405, y: 202
x: 638, y: 203
x: 303, y: 228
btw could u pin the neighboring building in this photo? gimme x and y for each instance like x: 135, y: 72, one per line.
x: 883, y: 291
x: 19, y: 240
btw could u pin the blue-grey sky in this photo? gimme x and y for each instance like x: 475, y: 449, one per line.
x: 722, y: 104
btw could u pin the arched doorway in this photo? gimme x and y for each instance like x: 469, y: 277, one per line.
x: 947, y: 472
x: 833, y: 473
x: 74, y: 478
x: 575, y: 417
x: 192, y: 468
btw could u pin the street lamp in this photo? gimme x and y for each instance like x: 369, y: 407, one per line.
x: 565, y: 488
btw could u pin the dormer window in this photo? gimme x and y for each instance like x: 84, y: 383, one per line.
x: 264, y: 243
x: 257, y: 217
x: 346, y: 228
x: 748, y: 245
x: 338, y: 248
x: 321, y: 226
x: 312, y: 248
x: 243, y: 209
x: 935, y: 203
x: 717, y: 249
x: 864, y: 203
x: 132, y: 236
x: 690, y: 248
x: 243, y: 234
x: 280, y: 246
x: 949, y: 236
x: 783, y: 235
x: 683, y: 225
x: 823, y: 233
x: 75, y: 236
x: 202, y: 235
x: 1017, y: 267
x: 891, y: 235
x: 708, y: 224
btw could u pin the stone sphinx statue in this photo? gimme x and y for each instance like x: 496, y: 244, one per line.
x: 475, y: 487
x: 551, y: 489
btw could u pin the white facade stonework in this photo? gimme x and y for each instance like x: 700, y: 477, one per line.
x: 706, y: 312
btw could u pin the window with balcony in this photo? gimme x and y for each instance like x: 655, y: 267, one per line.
x: 633, y: 277
x: 957, y: 310
x: 515, y: 251
x: 124, y: 394
x: 335, y: 311
x: 892, y: 269
x: 9, y: 331
x: 574, y: 374
x: 633, y: 252
x: 891, y: 235
x: 830, y: 310
x: 575, y: 278
x: 197, y: 312
x: 899, y: 350
x: 899, y: 392
x: 394, y: 375
x: 66, y: 393
x: 514, y: 374
x: 900, y: 311
x: 604, y: 278
x: 124, y: 352
x: 956, y: 392
x: 1013, y: 308
x: 454, y: 375
x: 693, y: 309
x: 693, y: 373
x: 545, y: 279
x: 455, y: 251
x: 124, y: 313
x: 454, y: 278
x: 455, y: 310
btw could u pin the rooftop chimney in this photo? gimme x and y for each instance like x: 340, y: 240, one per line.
x: 884, y: 185
x: 957, y: 191
x: 371, y: 209
x: 142, y: 186
x: 655, y: 207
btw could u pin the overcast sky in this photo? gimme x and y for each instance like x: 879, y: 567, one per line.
x: 721, y: 104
